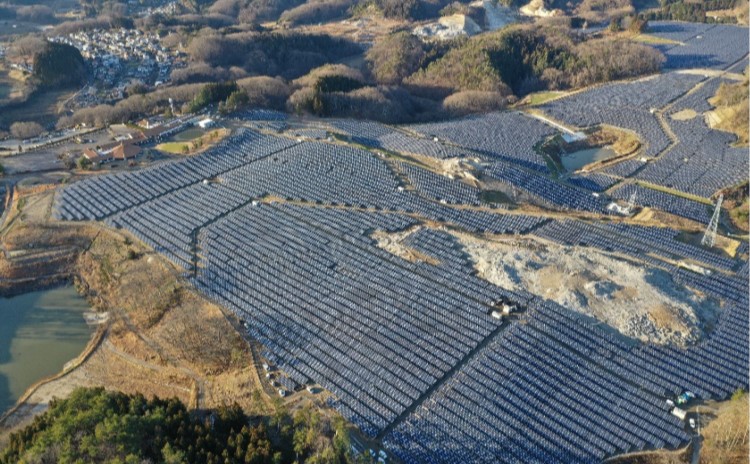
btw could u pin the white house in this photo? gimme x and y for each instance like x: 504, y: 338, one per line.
x: 206, y: 123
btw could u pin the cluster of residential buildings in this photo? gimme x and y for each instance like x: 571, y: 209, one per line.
x: 127, y: 144
x: 168, y: 9
x: 121, y: 55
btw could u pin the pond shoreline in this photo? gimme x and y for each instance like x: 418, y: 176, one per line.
x: 93, y: 344
x: 50, y: 318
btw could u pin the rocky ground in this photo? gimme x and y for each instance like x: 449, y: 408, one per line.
x: 640, y: 302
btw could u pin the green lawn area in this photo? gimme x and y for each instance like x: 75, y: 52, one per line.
x: 539, y: 98
x: 180, y: 145
x: 175, y: 148
x: 654, y: 40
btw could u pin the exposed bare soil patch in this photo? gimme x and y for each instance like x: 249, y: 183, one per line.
x: 641, y: 303
x: 684, y: 115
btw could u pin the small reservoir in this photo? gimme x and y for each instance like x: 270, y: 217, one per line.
x: 39, y: 332
x: 576, y: 160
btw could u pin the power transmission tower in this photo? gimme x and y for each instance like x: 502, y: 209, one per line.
x: 709, y: 238
x: 631, y: 201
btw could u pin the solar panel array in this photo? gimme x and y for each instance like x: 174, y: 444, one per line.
x: 627, y: 105
x: 703, y: 160
x: 280, y: 232
x: 103, y: 196
x: 408, y: 348
x: 596, y: 182
x: 700, y: 45
x: 632, y: 240
x: 376, y: 135
x: 508, y: 136
x: 439, y: 187
x: 672, y: 204
x: 539, y: 393
x: 555, y: 195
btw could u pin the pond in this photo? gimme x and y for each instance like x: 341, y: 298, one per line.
x: 39, y: 332
x: 577, y: 160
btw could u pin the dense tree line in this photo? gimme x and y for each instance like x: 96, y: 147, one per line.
x: 132, y: 107
x: 94, y: 425
x: 212, y: 93
x: 404, y: 78
x: 24, y: 48
x: 90, y: 24
x: 188, y: 21
x: 341, y: 91
x: 530, y: 58
x: 41, y: 14
x: 289, y: 54
x: 35, y: 13
x: 59, y: 65
x: 317, y: 11
x: 412, y: 10
x: 25, y: 130
x: 253, y: 11
x: 602, y: 11
x: 396, y: 57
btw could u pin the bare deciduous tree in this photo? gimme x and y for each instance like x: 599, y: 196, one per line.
x: 25, y: 130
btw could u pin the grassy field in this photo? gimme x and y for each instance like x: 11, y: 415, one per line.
x: 194, y: 145
x: 539, y: 98
x: 188, y: 134
x: 731, y: 113
x: 725, y: 439
x: 653, y: 40
x: 175, y: 148
x: 42, y: 108
x: 12, y: 84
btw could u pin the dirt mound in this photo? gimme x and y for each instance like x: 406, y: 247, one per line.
x: 394, y: 243
x: 641, y: 303
x: 685, y: 115
x: 449, y: 27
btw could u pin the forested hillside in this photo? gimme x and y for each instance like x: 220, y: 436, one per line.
x: 94, y: 425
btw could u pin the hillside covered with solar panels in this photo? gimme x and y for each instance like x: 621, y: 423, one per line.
x: 458, y: 293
